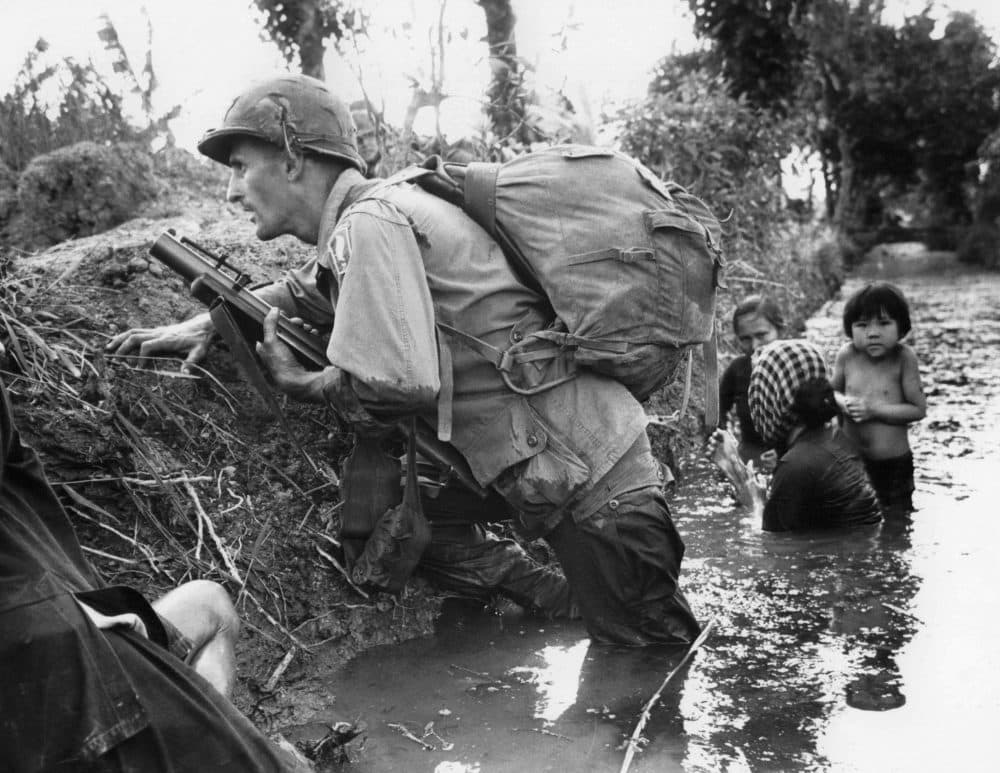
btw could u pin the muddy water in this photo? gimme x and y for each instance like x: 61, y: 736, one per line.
x: 873, y: 652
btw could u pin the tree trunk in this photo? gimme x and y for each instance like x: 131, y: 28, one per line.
x: 506, y: 105
x: 311, y: 43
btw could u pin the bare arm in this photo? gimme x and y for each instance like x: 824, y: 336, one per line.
x: 839, y: 380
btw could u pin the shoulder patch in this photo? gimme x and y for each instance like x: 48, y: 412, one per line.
x: 339, y: 250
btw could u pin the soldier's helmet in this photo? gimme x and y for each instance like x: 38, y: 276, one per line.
x: 292, y: 111
x: 362, y: 121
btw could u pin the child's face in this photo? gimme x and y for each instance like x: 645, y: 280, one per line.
x: 876, y: 336
x: 754, y: 331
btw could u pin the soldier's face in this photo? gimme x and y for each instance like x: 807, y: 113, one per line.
x: 368, y: 146
x: 258, y: 180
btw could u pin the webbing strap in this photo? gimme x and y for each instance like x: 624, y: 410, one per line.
x: 710, y: 350
x: 447, y: 394
x: 481, y: 194
x: 483, y: 349
x: 687, y: 383
x: 570, y: 340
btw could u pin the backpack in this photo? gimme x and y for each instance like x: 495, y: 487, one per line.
x: 630, y: 264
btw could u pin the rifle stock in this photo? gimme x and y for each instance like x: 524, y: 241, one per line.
x: 210, y: 283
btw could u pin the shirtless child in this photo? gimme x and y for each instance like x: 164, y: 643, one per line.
x: 879, y: 391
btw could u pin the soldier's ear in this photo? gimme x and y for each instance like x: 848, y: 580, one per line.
x: 295, y: 163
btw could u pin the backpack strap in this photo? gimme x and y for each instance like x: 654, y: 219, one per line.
x: 446, y: 394
x: 505, y: 360
x: 481, y: 194
x: 710, y: 351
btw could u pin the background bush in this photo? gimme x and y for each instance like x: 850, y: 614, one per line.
x: 83, y: 189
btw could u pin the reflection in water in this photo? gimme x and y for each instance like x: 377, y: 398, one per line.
x: 867, y: 651
x: 556, y: 680
x: 449, y: 766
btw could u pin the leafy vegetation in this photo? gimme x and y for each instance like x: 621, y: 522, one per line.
x: 87, y: 107
x: 896, y: 112
x: 302, y: 28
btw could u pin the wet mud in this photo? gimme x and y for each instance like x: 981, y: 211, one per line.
x: 873, y: 651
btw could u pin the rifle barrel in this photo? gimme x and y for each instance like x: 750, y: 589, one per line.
x: 210, y: 284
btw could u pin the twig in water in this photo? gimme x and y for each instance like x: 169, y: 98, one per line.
x: 407, y: 734
x: 633, y: 742
x: 480, y: 674
x: 542, y: 731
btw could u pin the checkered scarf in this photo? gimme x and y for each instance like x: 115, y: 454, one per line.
x: 778, y: 370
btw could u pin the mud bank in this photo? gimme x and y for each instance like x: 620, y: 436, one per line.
x: 868, y: 652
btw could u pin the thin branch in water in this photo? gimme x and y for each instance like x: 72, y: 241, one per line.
x: 402, y: 730
x: 633, y: 741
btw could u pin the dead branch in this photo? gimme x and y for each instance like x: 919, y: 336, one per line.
x: 633, y: 741
x: 401, y: 729
x: 337, y: 565
x: 272, y: 681
x: 203, y: 517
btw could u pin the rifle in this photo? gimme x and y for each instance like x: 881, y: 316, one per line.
x: 238, y: 315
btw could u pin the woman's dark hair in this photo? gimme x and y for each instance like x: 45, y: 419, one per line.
x: 871, y: 301
x: 814, y: 403
x: 762, y: 305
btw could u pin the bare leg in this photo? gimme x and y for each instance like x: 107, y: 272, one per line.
x: 204, y: 613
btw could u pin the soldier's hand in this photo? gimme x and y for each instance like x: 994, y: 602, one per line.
x: 190, y: 338
x: 288, y: 373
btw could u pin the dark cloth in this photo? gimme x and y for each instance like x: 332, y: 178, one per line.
x: 76, y: 698
x: 622, y: 558
x: 892, y: 480
x: 733, y: 388
x: 467, y: 559
x: 820, y: 483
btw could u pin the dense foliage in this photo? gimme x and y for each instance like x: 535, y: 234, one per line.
x: 302, y: 28
x: 87, y: 107
x: 895, y: 111
x: 721, y: 148
x: 758, y: 45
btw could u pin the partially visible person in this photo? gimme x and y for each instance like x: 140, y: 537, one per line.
x: 92, y: 677
x: 877, y: 379
x: 757, y: 321
x: 819, y: 482
x: 368, y: 145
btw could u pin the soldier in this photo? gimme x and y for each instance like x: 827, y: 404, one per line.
x: 368, y: 146
x: 573, y: 462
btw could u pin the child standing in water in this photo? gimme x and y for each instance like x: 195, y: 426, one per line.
x: 879, y: 391
x: 757, y: 321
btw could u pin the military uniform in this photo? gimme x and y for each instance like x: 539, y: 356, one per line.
x: 572, y: 461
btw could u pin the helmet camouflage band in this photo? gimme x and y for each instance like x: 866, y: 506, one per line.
x: 294, y: 112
